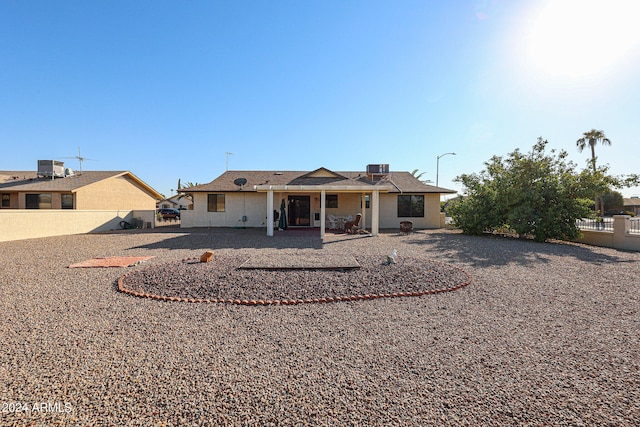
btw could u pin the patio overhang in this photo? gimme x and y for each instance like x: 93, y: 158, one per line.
x: 374, y: 190
x: 319, y: 188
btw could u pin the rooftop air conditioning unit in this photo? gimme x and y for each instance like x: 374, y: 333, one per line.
x: 51, y: 169
x: 382, y: 169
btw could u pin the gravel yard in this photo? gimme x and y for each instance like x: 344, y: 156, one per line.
x: 546, y: 334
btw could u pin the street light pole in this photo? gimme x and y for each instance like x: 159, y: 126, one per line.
x: 438, y: 165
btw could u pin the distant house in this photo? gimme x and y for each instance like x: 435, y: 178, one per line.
x: 632, y: 205
x: 90, y: 190
x: 178, y: 201
x: 312, y: 198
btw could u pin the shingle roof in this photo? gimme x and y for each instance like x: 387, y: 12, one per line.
x: 632, y: 201
x: 29, y: 181
x: 398, y: 181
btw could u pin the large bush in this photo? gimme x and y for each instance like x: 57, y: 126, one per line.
x: 537, y: 194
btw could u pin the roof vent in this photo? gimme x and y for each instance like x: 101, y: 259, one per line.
x: 50, y: 169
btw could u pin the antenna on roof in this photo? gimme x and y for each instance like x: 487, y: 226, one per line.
x: 227, y: 158
x: 80, y: 159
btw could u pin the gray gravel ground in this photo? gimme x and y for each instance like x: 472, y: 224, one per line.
x: 546, y: 334
x: 224, y: 279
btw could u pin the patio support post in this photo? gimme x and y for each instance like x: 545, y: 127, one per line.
x: 363, y: 210
x: 375, y: 212
x: 270, y: 213
x: 323, y: 212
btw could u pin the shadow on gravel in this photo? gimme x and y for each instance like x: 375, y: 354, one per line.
x: 235, y: 238
x: 485, y: 251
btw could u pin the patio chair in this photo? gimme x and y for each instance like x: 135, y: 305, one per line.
x: 351, y: 226
x: 332, y: 222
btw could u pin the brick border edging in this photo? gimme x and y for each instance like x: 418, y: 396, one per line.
x: 124, y: 290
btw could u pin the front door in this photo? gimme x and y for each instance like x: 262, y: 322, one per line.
x: 299, y: 211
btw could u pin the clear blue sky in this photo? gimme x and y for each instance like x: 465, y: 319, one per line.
x: 164, y: 88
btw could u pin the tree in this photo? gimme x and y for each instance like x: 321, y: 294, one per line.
x: 591, y: 138
x: 612, y: 200
x: 419, y: 175
x: 181, y: 188
x: 535, y: 194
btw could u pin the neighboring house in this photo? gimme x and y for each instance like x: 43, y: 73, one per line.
x: 178, y: 201
x: 255, y: 198
x: 89, y: 190
x: 632, y: 205
x: 37, y: 204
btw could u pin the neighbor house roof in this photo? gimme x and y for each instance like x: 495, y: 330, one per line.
x: 27, y: 181
x: 632, y: 201
x: 393, y: 182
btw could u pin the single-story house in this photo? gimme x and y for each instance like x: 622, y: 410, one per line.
x: 89, y: 190
x: 309, y: 198
x: 177, y: 201
x: 43, y: 204
x: 632, y: 204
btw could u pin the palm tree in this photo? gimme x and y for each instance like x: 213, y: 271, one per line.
x: 419, y: 175
x: 591, y: 138
x: 182, y: 187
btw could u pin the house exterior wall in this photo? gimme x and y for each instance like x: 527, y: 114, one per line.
x: 348, y: 204
x: 253, y: 206
x: 389, y: 212
x: 119, y: 192
x: 13, y: 200
x: 237, y: 204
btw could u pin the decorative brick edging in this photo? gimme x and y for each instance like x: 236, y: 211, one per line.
x: 122, y: 289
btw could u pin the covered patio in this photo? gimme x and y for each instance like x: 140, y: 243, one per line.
x: 353, y: 200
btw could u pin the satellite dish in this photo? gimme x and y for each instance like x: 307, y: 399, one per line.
x: 240, y: 182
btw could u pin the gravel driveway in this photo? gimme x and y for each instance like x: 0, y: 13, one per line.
x: 546, y: 334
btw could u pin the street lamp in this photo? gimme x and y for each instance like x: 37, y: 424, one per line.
x: 438, y: 165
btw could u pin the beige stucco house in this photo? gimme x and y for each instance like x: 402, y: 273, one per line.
x: 310, y: 198
x: 33, y: 205
x: 82, y: 191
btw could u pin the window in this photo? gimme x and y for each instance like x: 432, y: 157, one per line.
x: 367, y: 201
x: 215, y: 202
x: 332, y: 201
x: 38, y: 201
x: 67, y: 201
x: 410, y: 206
x: 6, y: 200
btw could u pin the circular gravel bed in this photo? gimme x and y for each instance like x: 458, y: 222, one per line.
x: 221, y: 281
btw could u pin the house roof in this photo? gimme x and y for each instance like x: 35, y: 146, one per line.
x: 393, y: 182
x: 632, y: 201
x: 26, y: 181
